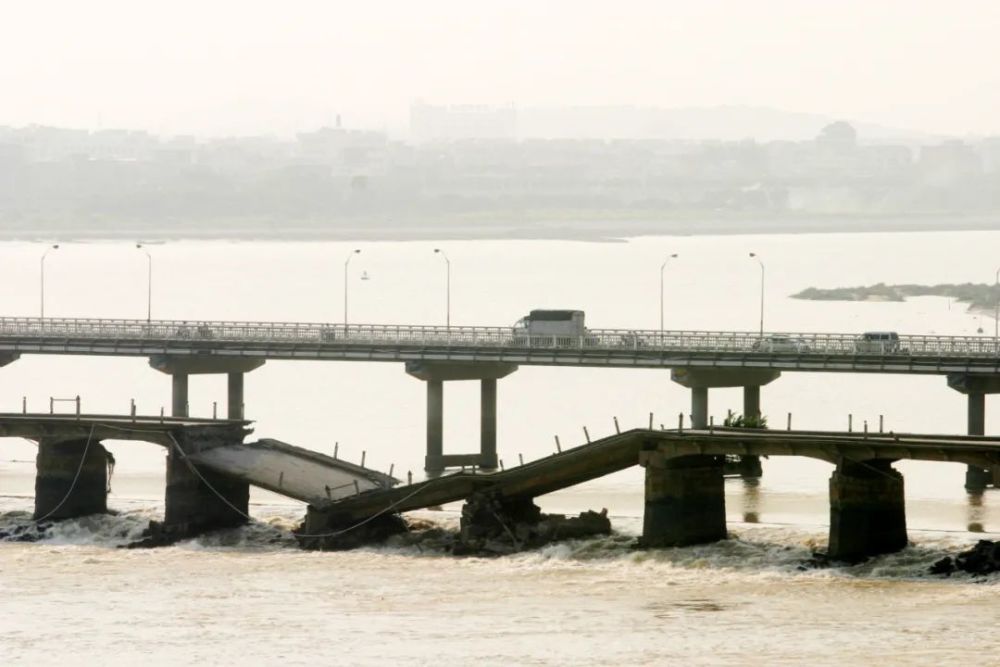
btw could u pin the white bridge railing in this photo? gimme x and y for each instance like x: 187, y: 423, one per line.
x: 38, y: 331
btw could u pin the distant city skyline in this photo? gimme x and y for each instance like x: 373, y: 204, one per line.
x: 255, y: 67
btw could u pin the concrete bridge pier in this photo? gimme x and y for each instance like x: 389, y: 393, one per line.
x: 181, y: 367
x: 699, y: 380
x: 867, y: 511
x: 435, y: 374
x: 975, y: 387
x: 71, y: 479
x: 685, y: 500
x: 193, y: 507
x: 179, y: 395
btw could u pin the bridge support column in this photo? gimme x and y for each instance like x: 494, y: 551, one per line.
x: 192, y: 507
x: 751, y: 401
x: 181, y: 367
x: 235, y: 396
x: 488, y: 423
x: 699, y: 407
x: 685, y: 500
x: 975, y: 387
x: 179, y: 395
x: 867, y: 512
x: 434, y: 461
x: 68, y: 482
x: 435, y: 374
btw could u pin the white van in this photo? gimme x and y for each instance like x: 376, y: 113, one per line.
x: 877, y: 342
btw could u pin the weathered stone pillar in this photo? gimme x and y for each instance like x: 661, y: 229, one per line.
x: 235, y: 396
x: 685, y: 501
x: 192, y: 507
x: 699, y: 407
x: 488, y: 423
x: 57, y: 465
x: 434, y: 461
x: 179, y: 395
x: 867, y: 511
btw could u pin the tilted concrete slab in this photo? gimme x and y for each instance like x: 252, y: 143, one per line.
x: 291, y: 471
x: 641, y: 446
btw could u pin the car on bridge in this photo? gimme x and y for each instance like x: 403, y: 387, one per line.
x: 878, y: 342
x: 780, y: 343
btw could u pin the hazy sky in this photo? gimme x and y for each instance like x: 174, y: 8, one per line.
x: 220, y: 66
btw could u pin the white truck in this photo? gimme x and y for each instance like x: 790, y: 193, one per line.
x: 551, y: 328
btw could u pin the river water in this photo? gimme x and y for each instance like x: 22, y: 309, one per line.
x: 248, y: 596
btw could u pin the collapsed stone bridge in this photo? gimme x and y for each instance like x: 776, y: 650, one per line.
x: 684, y: 491
x: 210, y: 469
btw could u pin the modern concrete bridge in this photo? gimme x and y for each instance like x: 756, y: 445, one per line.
x: 685, y: 500
x: 699, y: 360
x: 209, y: 467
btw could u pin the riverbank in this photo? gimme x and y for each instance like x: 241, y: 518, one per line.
x: 607, y: 226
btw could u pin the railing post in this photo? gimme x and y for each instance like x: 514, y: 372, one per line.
x: 650, y: 421
x: 789, y: 421
x: 215, y: 409
x: 78, y: 405
x: 617, y: 430
x: 881, y: 423
x: 586, y: 434
x: 363, y: 453
x: 850, y: 423
x: 24, y: 405
x: 680, y: 423
x: 336, y: 447
x: 131, y: 408
x: 52, y: 405
x: 558, y: 446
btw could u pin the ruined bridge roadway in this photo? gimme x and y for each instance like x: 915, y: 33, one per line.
x: 618, y: 452
x: 623, y: 348
x: 215, y: 444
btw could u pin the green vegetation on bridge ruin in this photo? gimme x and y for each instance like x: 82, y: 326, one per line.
x: 981, y: 297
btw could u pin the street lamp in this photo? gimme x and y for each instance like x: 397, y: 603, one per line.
x: 55, y: 246
x: 149, y: 283
x: 663, y: 266
x: 754, y: 255
x: 350, y: 255
x: 447, y: 287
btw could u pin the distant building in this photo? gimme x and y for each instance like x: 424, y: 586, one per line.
x: 451, y: 123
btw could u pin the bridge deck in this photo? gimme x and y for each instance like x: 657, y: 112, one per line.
x: 216, y: 444
x: 621, y: 451
x: 625, y: 348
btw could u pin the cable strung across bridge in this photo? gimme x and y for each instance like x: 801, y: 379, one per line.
x: 926, y: 354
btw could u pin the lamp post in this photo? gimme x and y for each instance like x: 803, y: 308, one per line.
x: 754, y: 255
x: 663, y: 266
x: 350, y: 255
x: 55, y: 246
x: 149, y: 283
x: 447, y: 311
